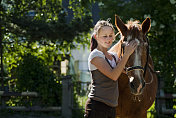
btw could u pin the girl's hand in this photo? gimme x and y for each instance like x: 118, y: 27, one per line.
x: 130, y: 47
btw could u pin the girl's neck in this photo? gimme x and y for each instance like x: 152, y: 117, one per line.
x: 104, y: 50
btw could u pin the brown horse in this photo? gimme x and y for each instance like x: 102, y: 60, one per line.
x: 138, y: 87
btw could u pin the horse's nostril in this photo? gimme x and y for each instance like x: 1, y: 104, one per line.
x: 132, y: 85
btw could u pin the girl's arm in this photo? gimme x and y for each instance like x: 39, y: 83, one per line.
x: 102, y: 65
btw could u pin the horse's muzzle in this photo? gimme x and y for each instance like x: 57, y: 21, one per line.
x: 136, y: 89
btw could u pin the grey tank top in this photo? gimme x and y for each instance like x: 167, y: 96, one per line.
x: 104, y: 89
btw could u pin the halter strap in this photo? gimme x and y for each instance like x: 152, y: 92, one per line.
x: 134, y: 68
x: 108, y: 61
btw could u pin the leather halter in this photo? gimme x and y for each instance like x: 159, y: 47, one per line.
x: 128, y: 69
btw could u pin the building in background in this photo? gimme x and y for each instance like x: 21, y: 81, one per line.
x: 79, y: 63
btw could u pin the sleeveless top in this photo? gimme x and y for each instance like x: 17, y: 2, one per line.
x: 103, y: 88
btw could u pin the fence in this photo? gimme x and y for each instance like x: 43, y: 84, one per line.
x: 161, y: 102
x: 65, y: 108
x: 79, y: 90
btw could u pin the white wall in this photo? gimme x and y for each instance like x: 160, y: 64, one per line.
x: 81, y: 55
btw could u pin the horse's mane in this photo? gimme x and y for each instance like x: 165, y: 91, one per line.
x: 133, y: 25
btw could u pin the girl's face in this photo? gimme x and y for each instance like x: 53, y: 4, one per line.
x: 105, y: 36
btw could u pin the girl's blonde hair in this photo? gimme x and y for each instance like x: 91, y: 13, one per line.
x: 97, y: 27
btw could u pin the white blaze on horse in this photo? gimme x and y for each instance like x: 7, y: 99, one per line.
x: 138, y: 87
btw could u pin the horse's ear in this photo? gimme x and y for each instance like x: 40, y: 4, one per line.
x: 146, y: 25
x: 120, y: 25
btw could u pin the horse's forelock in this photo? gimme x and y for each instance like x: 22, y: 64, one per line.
x: 133, y: 24
x: 134, y: 28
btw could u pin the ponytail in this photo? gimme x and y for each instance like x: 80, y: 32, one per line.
x: 93, y: 44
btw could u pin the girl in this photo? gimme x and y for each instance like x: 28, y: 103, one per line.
x: 105, y: 68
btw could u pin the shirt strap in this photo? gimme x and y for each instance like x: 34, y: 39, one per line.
x: 108, y: 61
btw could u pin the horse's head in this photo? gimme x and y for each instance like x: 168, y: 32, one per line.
x: 136, y: 65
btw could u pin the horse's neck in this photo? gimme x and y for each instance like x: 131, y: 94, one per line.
x: 150, y: 66
x: 116, y: 48
x: 150, y: 63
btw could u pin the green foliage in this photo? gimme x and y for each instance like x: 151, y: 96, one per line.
x: 34, y: 58
x: 152, y: 112
x: 32, y: 41
x: 80, y: 98
x: 35, y: 35
x: 33, y: 75
x: 41, y: 20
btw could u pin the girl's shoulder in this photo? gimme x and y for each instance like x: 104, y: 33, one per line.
x: 95, y: 53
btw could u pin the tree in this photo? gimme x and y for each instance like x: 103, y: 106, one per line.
x: 23, y: 22
x: 48, y: 21
x: 41, y: 29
